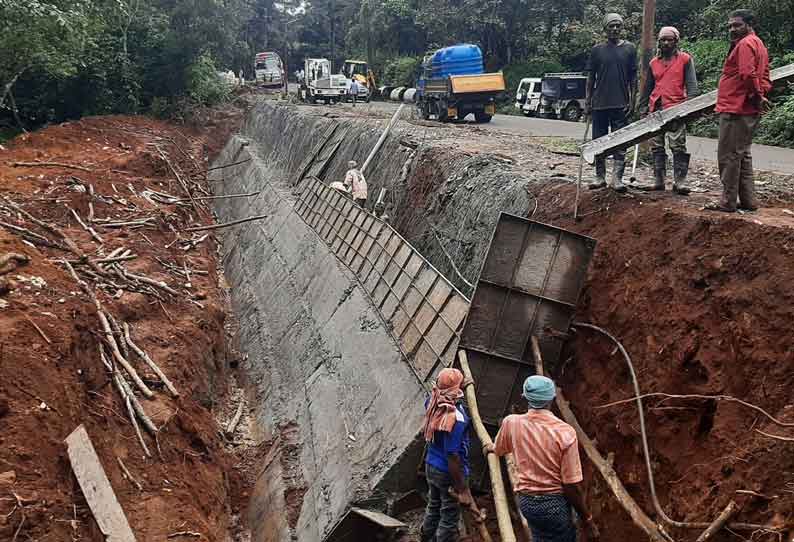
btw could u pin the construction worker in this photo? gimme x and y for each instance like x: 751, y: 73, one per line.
x: 341, y: 187
x: 356, y: 183
x: 353, y: 91
x: 671, y: 80
x: 546, y: 454
x: 611, y: 89
x: 446, y: 431
x: 741, y: 98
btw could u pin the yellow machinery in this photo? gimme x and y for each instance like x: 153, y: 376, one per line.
x: 359, y: 70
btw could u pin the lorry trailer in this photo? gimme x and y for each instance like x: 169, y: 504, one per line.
x: 453, y: 85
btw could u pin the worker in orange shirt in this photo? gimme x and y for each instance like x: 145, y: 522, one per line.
x: 671, y: 80
x: 546, y: 453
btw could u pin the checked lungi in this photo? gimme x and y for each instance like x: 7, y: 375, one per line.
x: 550, y: 517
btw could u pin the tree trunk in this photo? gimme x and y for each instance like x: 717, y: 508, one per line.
x: 14, y: 111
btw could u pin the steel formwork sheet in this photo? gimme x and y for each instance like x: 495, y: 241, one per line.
x: 424, y: 309
x: 530, y: 281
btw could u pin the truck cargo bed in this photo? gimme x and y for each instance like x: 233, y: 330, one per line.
x: 485, y: 82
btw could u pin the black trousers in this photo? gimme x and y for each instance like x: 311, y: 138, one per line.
x: 604, y: 121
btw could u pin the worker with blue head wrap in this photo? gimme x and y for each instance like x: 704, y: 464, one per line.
x: 546, y: 454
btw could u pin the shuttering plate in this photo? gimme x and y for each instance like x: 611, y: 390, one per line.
x: 530, y: 282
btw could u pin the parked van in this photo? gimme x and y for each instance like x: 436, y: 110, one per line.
x: 528, y: 96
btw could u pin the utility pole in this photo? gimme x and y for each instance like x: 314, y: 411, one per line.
x: 333, y: 37
x: 648, y: 38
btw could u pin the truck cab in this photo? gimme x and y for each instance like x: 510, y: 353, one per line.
x: 319, y: 84
x: 528, y: 96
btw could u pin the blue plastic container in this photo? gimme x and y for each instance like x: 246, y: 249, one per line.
x: 463, y: 59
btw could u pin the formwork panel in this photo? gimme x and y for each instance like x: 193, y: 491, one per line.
x: 425, y: 360
x: 424, y: 310
x: 530, y: 283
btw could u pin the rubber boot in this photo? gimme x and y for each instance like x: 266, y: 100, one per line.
x: 601, y: 175
x: 680, y: 170
x: 659, y: 170
x: 618, y: 167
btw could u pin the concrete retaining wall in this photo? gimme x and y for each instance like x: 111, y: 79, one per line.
x: 330, y: 385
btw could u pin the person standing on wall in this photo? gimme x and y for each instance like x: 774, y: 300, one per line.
x: 671, y: 80
x: 546, y: 453
x: 611, y: 90
x: 741, y: 99
x: 355, y: 180
x: 446, y: 430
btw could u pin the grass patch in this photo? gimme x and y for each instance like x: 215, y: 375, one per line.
x: 562, y: 145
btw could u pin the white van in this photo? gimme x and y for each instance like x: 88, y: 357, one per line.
x: 528, y: 96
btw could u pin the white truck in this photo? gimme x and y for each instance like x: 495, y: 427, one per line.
x: 319, y: 84
x: 528, y: 96
x: 268, y: 69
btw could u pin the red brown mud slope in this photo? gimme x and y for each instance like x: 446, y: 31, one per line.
x: 51, y: 376
x: 703, y: 303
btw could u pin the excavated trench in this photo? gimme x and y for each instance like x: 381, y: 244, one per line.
x: 699, y: 301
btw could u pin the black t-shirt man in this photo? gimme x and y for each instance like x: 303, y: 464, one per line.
x: 614, y: 69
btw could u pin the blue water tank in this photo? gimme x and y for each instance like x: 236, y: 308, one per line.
x: 463, y: 59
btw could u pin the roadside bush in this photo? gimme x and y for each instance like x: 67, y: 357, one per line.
x: 401, y: 71
x: 529, y: 68
x: 203, y: 84
x: 709, y: 56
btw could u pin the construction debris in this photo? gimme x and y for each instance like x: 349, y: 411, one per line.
x: 96, y: 488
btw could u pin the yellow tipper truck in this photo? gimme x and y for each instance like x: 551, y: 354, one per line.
x: 452, y: 85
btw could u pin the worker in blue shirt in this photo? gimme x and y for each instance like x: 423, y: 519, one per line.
x: 446, y: 430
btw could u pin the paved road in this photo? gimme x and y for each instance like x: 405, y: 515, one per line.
x: 765, y: 158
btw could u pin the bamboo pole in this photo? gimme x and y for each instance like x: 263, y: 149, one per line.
x: 719, y: 523
x: 512, y: 473
x: 382, y: 138
x: 494, y: 467
x: 604, y: 466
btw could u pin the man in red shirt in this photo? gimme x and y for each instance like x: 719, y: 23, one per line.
x: 671, y: 80
x: 741, y: 98
x: 546, y: 452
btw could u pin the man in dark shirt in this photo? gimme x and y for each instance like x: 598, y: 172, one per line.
x: 611, y: 87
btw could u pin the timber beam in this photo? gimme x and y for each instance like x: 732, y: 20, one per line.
x: 657, y: 122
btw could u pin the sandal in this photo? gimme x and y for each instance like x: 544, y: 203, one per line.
x: 714, y: 206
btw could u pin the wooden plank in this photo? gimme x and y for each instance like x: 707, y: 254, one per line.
x: 96, y: 488
x: 387, y: 522
x: 656, y: 122
x: 308, y: 161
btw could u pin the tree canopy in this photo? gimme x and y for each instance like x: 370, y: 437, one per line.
x: 66, y: 58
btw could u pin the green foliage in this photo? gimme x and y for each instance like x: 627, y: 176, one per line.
x: 709, y: 56
x: 777, y: 126
x: 531, y: 68
x: 401, y: 71
x: 66, y: 58
x: 203, y: 84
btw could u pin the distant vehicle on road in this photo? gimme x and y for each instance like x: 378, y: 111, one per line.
x: 562, y: 95
x: 528, y: 96
x: 452, y: 85
x: 319, y: 84
x: 268, y: 69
